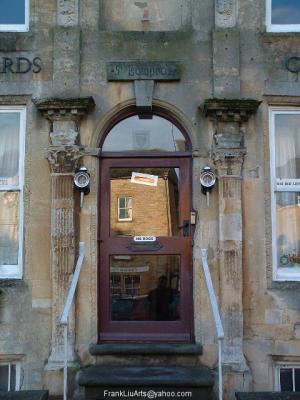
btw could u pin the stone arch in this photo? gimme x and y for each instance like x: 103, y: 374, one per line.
x: 168, y: 110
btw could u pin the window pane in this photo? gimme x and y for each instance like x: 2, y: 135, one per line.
x: 9, y: 228
x: 134, y: 134
x: 297, y: 379
x: 155, y: 199
x: 9, y: 150
x: 285, y: 12
x: 3, y: 378
x: 287, y: 142
x: 288, y: 229
x: 12, y: 377
x: 150, y: 292
x: 286, y: 379
x: 12, y: 12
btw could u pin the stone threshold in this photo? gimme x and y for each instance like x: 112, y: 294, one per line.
x: 146, y: 349
x: 145, y: 376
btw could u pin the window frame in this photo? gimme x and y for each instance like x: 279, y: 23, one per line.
x: 16, y: 271
x: 18, y: 27
x: 278, y: 275
x: 18, y: 374
x: 284, y: 365
x: 278, y: 27
x: 124, y: 208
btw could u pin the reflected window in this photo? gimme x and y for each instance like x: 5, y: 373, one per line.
x: 124, y: 208
x: 145, y: 287
x: 283, y: 15
x: 285, y: 135
x: 155, y: 134
x: 14, y: 15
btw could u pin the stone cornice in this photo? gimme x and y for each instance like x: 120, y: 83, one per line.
x: 65, y: 108
x: 230, y: 110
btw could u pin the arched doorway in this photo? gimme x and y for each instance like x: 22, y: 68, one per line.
x: 145, y: 266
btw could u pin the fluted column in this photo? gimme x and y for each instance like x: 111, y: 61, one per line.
x: 64, y: 156
x: 229, y: 169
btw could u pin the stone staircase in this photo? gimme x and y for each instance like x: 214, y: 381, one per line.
x: 147, y: 370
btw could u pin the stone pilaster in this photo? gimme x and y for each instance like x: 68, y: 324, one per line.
x: 64, y: 155
x: 228, y: 152
x: 229, y: 168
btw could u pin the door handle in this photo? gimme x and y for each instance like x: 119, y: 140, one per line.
x: 185, y: 227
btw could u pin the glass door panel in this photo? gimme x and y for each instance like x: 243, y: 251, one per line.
x: 144, y: 201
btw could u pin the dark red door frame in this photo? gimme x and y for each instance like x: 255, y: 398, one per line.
x: 159, y: 331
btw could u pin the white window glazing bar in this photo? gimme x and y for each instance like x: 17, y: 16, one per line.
x: 9, y: 376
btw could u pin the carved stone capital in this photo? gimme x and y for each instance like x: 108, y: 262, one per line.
x: 230, y: 110
x: 57, y: 109
x: 229, y: 162
x: 64, y: 159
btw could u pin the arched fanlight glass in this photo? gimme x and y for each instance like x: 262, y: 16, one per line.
x: 135, y: 134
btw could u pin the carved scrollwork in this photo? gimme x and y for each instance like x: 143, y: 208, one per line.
x: 229, y: 162
x: 64, y: 159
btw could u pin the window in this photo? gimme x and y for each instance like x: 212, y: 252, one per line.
x: 125, y: 209
x: 285, y: 157
x: 9, y: 377
x: 12, y: 127
x: 14, y: 15
x: 283, y: 15
x: 132, y: 285
x: 288, y: 378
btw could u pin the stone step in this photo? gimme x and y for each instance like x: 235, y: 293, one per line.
x: 98, y: 380
x: 147, y: 353
x: 25, y: 395
x: 267, y: 395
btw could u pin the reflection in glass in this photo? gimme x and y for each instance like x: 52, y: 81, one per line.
x: 285, y: 12
x: 145, y: 288
x: 3, y: 378
x: 134, y: 134
x: 144, y: 201
x: 9, y: 150
x: 9, y: 228
x: 288, y: 229
x: 12, y: 12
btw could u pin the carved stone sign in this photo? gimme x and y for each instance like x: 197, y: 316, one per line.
x: 135, y: 70
x: 20, y: 65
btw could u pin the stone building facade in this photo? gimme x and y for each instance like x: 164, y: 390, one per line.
x: 224, y: 74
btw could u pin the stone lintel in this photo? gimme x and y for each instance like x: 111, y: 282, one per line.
x: 230, y: 110
x: 65, y: 108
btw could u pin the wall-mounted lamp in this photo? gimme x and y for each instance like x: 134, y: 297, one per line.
x: 82, y: 182
x: 208, y: 180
